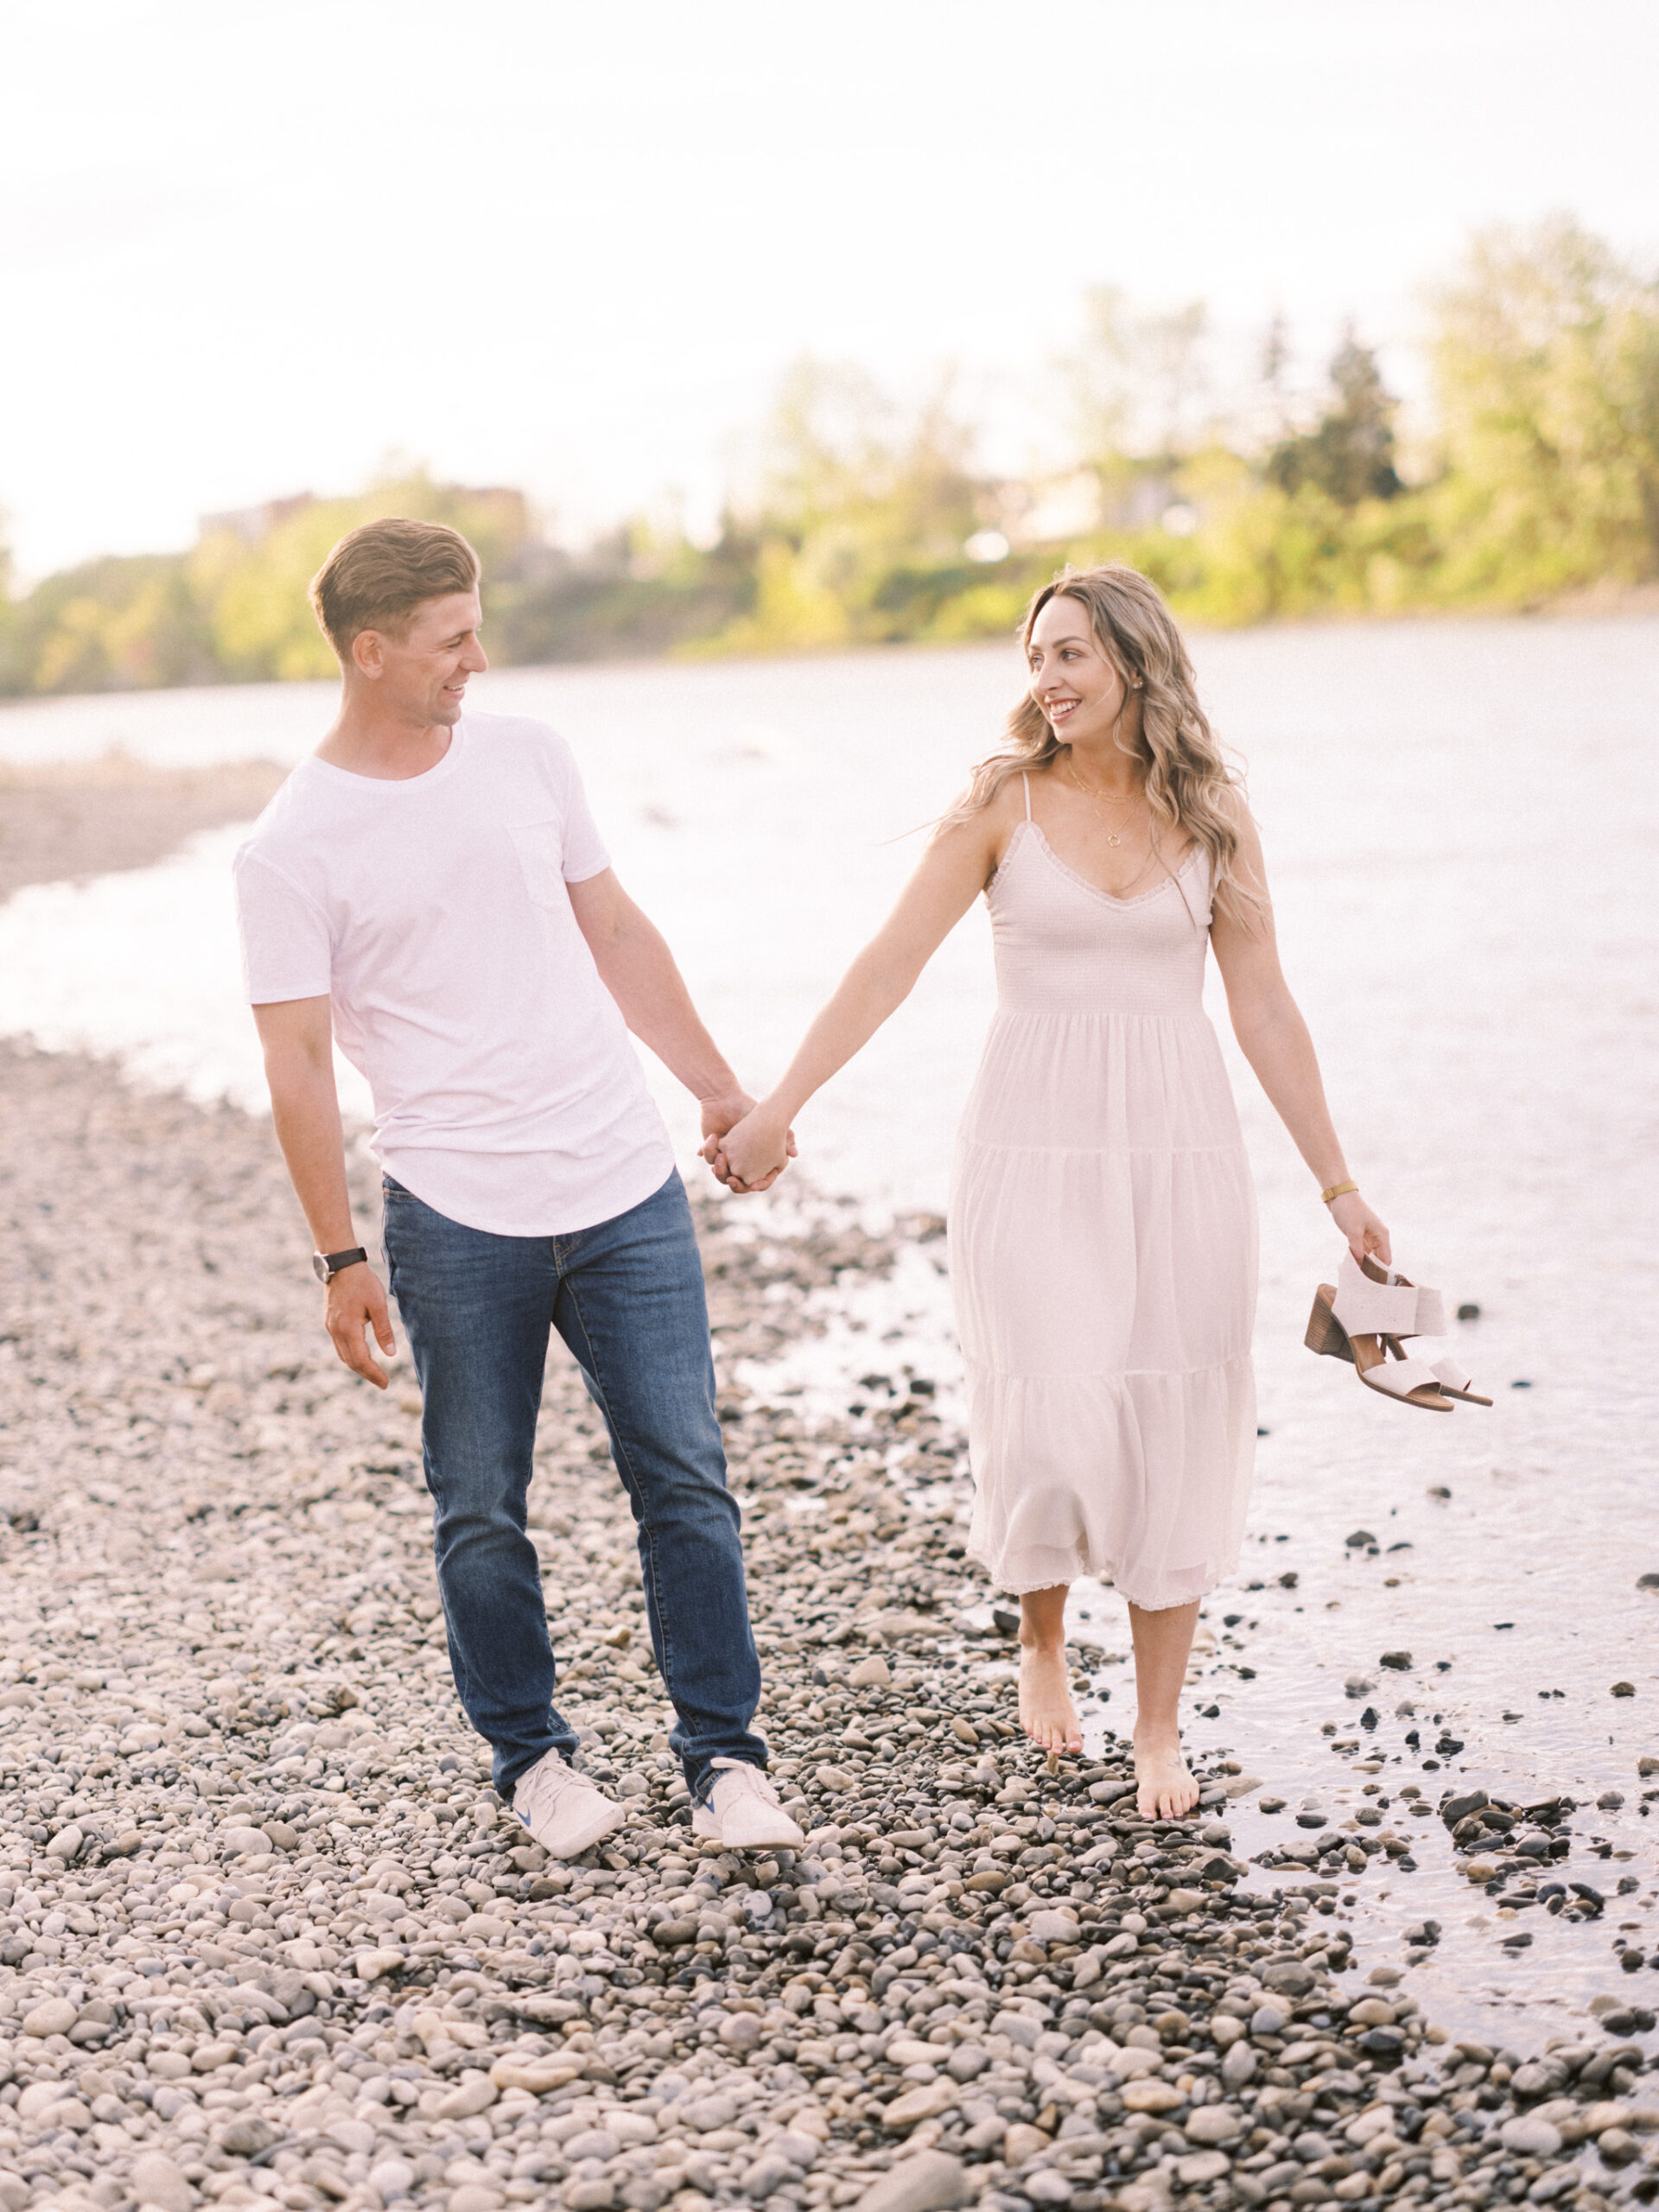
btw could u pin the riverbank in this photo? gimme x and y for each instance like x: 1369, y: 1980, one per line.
x: 63, y: 821
x: 270, y: 1937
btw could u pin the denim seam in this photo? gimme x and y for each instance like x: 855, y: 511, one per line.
x: 619, y: 1445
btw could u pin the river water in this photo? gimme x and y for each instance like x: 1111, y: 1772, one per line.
x: 1462, y: 826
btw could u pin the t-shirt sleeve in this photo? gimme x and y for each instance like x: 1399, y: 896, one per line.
x: 584, y: 853
x: 286, y: 953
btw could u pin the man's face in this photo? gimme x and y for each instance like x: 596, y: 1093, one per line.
x: 422, y: 676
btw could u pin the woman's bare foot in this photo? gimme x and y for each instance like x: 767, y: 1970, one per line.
x: 1165, y: 1788
x: 1046, y: 1713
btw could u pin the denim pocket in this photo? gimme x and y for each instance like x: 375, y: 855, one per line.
x: 540, y: 846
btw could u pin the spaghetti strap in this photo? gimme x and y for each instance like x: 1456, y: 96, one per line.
x: 1026, y: 780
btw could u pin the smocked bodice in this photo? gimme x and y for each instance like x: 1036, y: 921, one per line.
x: 1064, y: 946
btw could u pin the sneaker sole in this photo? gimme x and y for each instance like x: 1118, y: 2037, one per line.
x: 705, y: 1823
x: 595, y: 1831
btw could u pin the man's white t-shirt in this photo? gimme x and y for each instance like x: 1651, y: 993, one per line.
x: 433, y: 913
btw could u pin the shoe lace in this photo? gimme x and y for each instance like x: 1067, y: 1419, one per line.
x: 547, y: 1781
x: 749, y: 1777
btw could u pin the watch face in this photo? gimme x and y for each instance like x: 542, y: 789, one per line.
x: 319, y: 1266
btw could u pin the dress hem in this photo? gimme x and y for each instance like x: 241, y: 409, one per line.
x: 1213, y: 1580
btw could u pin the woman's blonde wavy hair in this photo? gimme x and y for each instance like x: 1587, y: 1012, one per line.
x: 1189, y: 785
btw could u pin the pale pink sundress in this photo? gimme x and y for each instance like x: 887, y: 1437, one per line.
x: 1103, y: 1243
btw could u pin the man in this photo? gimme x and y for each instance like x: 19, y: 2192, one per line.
x: 429, y: 889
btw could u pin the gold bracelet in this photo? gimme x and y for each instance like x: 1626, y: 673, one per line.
x: 1336, y: 1191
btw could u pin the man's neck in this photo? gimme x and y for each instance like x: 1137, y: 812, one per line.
x: 384, y: 749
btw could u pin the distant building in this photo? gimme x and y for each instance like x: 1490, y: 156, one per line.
x: 254, y: 524
x: 496, y: 505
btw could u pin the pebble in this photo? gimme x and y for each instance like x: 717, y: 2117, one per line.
x: 156, y: 2180
x: 930, y: 2181
x: 1212, y: 2124
x: 262, y: 1904
x: 1532, y: 2137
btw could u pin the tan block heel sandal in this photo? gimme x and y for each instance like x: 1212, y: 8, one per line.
x: 1363, y: 1319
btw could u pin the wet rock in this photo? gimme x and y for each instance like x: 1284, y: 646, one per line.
x: 1458, y: 1806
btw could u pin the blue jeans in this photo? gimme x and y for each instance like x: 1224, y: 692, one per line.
x: 628, y: 1298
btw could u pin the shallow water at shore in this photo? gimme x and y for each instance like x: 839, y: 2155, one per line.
x: 1461, y: 821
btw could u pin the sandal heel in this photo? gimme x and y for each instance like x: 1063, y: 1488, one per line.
x: 1326, y: 1334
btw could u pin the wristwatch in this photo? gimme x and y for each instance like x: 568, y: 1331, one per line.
x: 326, y: 1265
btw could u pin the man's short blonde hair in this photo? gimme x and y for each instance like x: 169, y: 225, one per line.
x: 379, y: 574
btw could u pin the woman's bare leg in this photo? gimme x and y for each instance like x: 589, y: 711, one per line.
x: 1163, y: 1642
x: 1046, y: 1713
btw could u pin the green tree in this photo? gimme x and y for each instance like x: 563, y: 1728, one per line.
x: 113, y: 625
x: 254, y: 594
x: 1350, y: 454
x: 859, y: 518
x: 1546, y: 357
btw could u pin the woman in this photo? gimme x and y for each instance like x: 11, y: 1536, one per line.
x: 1102, y: 1223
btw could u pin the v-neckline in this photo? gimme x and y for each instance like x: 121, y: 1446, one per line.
x: 1171, y: 875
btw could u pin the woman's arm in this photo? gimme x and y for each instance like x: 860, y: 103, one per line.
x: 1274, y: 1038
x: 955, y: 869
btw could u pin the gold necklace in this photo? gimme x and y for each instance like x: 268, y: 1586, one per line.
x: 1098, y: 799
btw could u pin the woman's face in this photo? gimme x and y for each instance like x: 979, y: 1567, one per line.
x: 1078, y: 690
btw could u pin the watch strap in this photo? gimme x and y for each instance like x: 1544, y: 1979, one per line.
x: 334, y: 1261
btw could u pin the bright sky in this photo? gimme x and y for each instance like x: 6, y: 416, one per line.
x: 254, y: 249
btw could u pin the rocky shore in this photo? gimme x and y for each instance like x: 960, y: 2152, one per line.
x: 267, y: 1935
x: 70, y: 822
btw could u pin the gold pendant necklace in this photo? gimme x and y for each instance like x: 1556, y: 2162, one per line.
x: 1097, y: 801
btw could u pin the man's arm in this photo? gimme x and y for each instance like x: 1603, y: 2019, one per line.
x: 298, y: 1040
x: 637, y: 969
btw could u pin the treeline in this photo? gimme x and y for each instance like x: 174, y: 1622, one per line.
x: 1538, y: 476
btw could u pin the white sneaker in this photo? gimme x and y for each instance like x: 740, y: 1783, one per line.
x: 563, y: 1810
x: 743, y: 1811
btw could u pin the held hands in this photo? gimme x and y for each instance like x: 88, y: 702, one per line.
x: 355, y: 1305
x: 1366, y: 1231
x: 760, y: 1159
